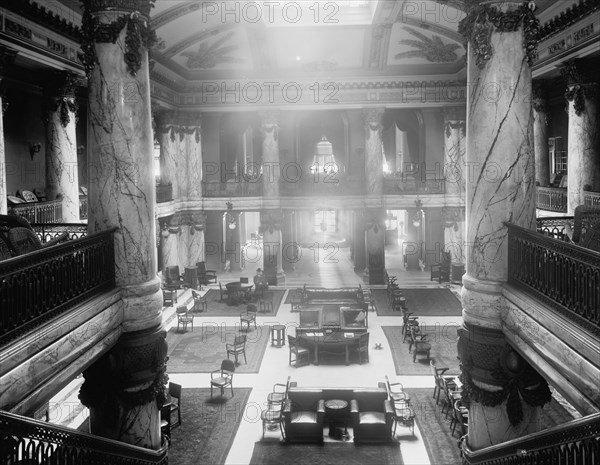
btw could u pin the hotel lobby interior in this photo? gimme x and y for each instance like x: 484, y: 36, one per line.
x: 237, y: 232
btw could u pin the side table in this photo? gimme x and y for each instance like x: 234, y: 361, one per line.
x: 278, y: 335
x: 336, y: 411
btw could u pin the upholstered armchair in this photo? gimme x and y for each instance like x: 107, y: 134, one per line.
x: 303, y: 415
x: 372, y: 416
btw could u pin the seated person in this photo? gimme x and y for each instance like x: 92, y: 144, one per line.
x: 260, y: 282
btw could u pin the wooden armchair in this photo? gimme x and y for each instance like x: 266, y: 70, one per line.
x: 237, y: 348
x: 441, y: 271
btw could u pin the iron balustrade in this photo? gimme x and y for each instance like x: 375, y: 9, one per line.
x: 555, y: 226
x: 591, y: 199
x: 551, y: 198
x: 48, y: 231
x: 49, y: 211
x: 575, y: 442
x: 24, y: 440
x: 233, y: 188
x: 38, y: 286
x: 562, y: 275
x: 83, y: 207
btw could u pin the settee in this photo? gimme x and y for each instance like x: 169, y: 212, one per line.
x: 369, y: 412
x: 341, y: 296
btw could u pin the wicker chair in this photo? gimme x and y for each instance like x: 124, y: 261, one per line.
x: 20, y: 238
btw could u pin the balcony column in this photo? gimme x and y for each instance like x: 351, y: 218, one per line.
x: 191, y: 175
x: 375, y: 246
x: 583, y: 158
x: 504, y: 392
x: 541, y: 113
x: 170, y: 231
x: 59, y: 114
x: 196, y: 251
x: 116, y: 36
x: 454, y: 174
x: 168, y: 137
x: 373, y: 150
x: 271, y: 171
x: 359, y: 243
x: 7, y: 57
x: 233, y: 239
x: 270, y: 227
x: 290, y: 247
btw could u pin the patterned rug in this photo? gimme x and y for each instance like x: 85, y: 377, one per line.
x: 443, y: 339
x: 207, y: 427
x: 330, y: 453
x: 421, y: 302
x: 441, y: 445
x: 202, y: 350
x: 217, y: 308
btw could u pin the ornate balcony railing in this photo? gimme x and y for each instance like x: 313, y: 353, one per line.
x: 27, y: 441
x: 232, y: 188
x: 323, y: 185
x: 49, y: 211
x: 551, y: 198
x: 48, y: 231
x: 574, y: 442
x: 83, y: 207
x: 555, y: 226
x: 562, y: 275
x: 591, y: 199
x: 38, y: 286
x: 164, y: 193
x: 408, y: 185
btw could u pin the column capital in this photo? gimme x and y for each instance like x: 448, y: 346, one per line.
x: 59, y: 95
x: 7, y: 58
x: 498, y: 16
x: 270, y: 220
x: 580, y: 78
x: 124, y: 6
x: 373, y: 118
x: 269, y: 118
x: 375, y: 219
x: 454, y: 113
x: 539, y: 95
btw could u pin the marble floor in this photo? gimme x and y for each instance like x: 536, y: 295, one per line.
x: 314, y: 270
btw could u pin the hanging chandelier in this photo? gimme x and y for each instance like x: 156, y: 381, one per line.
x: 418, y: 216
x: 324, y: 160
x: 231, y: 221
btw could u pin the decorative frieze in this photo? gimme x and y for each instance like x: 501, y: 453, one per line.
x: 582, y: 9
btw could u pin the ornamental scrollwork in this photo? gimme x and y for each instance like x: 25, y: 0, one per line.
x: 481, y: 20
x: 580, y: 85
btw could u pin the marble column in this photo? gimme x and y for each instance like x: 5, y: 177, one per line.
x: 122, y: 196
x: 499, y: 188
x: 375, y: 246
x: 184, y: 241
x: 168, y: 138
x: 196, y: 251
x: 359, y: 242
x: 170, y: 231
x: 271, y: 170
x: 59, y: 114
x: 584, y: 136
x: 7, y: 57
x: 290, y: 248
x: 373, y: 150
x: 270, y: 227
x: 191, y: 128
x: 454, y: 174
x: 541, y: 113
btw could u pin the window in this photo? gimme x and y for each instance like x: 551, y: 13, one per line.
x: 558, y: 155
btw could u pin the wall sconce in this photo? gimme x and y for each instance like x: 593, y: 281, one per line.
x: 34, y: 147
x: 418, y: 216
x: 231, y: 222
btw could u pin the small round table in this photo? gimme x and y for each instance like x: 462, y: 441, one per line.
x: 278, y: 335
x: 335, y: 409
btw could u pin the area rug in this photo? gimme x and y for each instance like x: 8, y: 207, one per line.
x: 443, y: 339
x: 441, y: 445
x: 207, y: 427
x: 420, y: 302
x: 330, y: 453
x: 217, y: 308
x: 203, y: 349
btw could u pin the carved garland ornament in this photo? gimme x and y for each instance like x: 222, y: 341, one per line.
x: 580, y: 85
x: 139, y: 34
x: 478, y: 25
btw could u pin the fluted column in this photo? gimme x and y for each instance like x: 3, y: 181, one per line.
x: 7, y: 57
x: 192, y: 141
x: 583, y: 161
x: 60, y: 116
x: 271, y: 168
x: 373, y: 150
x: 375, y: 246
x: 122, y: 196
x: 503, y: 390
x: 455, y: 171
x: 541, y: 114
x: 270, y: 228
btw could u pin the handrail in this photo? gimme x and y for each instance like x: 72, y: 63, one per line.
x: 40, y: 285
x: 555, y: 226
x: 22, y: 437
x: 562, y: 275
x: 48, y: 211
x: 48, y: 231
x: 591, y: 198
x: 561, y: 441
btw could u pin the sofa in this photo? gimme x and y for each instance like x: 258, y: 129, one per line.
x: 305, y: 415
x: 341, y: 296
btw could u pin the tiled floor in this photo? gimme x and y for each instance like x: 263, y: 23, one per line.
x: 275, y: 368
